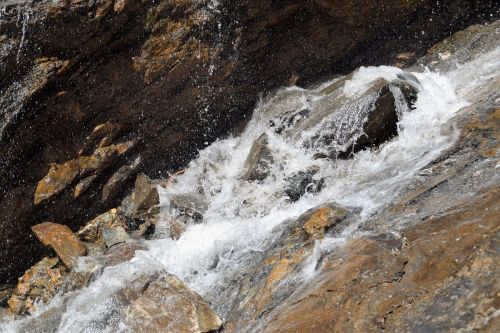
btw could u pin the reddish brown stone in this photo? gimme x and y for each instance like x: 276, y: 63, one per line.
x: 62, y: 240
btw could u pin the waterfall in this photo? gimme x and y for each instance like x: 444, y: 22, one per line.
x: 243, y: 218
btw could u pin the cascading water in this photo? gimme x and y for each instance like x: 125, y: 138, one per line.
x: 241, y: 218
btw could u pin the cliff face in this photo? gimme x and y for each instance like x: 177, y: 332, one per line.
x: 167, y: 78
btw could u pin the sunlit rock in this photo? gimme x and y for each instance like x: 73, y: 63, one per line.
x: 61, y: 176
x: 108, y: 228
x: 62, y: 240
x: 39, y: 283
x: 165, y: 304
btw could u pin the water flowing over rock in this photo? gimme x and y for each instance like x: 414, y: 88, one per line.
x: 172, y: 74
x: 365, y: 203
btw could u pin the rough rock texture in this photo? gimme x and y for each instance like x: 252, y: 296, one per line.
x: 165, y: 304
x: 38, y: 284
x: 61, y: 239
x: 172, y: 75
x: 431, y: 260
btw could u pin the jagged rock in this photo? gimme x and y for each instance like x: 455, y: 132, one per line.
x: 62, y: 240
x: 60, y: 176
x: 145, y: 198
x: 258, y: 161
x: 102, y: 136
x: 192, y: 205
x: 5, y: 294
x: 109, y: 228
x: 40, y: 283
x: 172, y: 53
x: 118, y: 181
x: 381, y: 125
x: 319, y: 219
x: 83, y: 185
x: 301, y: 183
x: 165, y: 304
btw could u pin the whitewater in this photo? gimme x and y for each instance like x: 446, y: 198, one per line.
x: 243, y: 218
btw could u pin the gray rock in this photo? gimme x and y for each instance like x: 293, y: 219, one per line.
x: 258, y: 161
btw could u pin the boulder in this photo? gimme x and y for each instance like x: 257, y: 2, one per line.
x: 190, y: 205
x: 207, y: 64
x: 145, y: 198
x: 166, y: 304
x: 118, y: 182
x: 40, y: 283
x: 108, y: 228
x: 62, y: 240
x: 303, y: 182
x: 258, y: 161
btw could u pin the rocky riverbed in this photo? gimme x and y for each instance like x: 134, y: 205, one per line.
x: 365, y: 202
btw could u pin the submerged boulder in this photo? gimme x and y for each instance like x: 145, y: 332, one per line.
x: 302, y: 182
x: 337, y: 120
x: 258, y: 161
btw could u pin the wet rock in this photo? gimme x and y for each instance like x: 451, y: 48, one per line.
x: 40, y: 283
x: 113, y: 236
x: 84, y: 185
x: 102, y: 136
x: 119, y: 181
x: 121, y: 252
x: 62, y: 240
x: 442, y: 280
x: 60, y: 176
x: 5, y: 294
x: 165, y: 304
x: 381, y: 125
x: 191, y: 205
x: 258, y: 161
x: 317, y: 221
x: 145, y: 198
x: 301, y: 183
x: 108, y: 228
x: 279, y: 272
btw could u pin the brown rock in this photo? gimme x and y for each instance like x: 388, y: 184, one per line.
x: 62, y: 240
x: 145, y: 197
x: 94, y: 230
x: 322, y: 218
x: 83, y: 185
x: 168, y: 305
x: 158, y: 54
x: 60, y: 176
x: 39, y: 283
x: 118, y: 181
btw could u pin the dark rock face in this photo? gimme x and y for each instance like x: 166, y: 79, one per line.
x: 171, y: 75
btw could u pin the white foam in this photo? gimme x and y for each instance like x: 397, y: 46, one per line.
x: 242, y: 217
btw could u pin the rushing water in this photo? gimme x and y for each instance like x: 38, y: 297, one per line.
x: 242, y: 215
